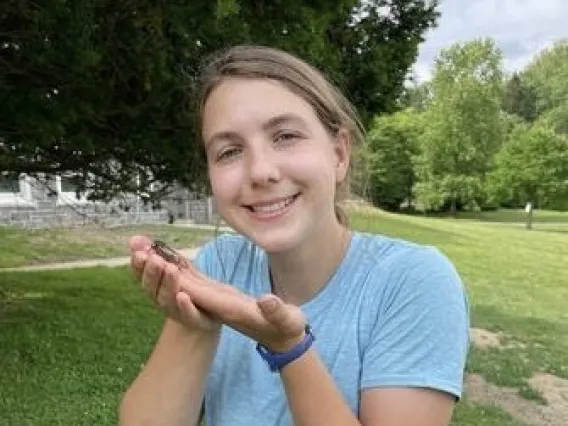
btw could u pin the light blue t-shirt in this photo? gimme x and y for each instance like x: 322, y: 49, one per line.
x: 394, y: 314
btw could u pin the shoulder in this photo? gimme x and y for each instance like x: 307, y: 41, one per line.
x: 399, y: 260
x: 396, y: 252
x: 405, y: 273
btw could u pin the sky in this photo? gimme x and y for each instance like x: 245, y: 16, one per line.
x: 521, y: 28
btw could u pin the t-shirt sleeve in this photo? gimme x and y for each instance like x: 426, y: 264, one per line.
x: 420, y: 335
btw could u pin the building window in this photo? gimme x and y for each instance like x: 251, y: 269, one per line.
x: 67, y: 191
x: 67, y: 185
x: 9, y: 185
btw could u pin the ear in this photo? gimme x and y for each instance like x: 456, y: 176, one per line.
x: 342, y: 154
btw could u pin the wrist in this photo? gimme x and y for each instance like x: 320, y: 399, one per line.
x: 279, y: 356
x: 188, y: 332
x: 284, y: 344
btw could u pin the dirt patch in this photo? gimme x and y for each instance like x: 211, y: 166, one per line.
x: 554, y: 390
x: 482, y: 338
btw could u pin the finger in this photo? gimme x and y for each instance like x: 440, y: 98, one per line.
x: 152, y: 275
x: 287, y: 318
x: 228, y: 304
x: 187, y: 310
x: 167, y: 291
x: 139, y: 243
x: 137, y: 264
x: 174, y: 257
x: 191, y: 315
x: 194, y: 276
x: 191, y: 271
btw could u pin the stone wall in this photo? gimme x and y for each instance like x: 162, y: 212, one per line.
x: 74, y: 216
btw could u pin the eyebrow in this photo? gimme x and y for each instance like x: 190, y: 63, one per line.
x: 225, y: 134
x: 269, y: 124
x: 283, y: 118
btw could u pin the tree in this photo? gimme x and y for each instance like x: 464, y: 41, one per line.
x: 519, y: 99
x: 532, y: 167
x: 547, y: 75
x: 104, y: 90
x: 416, y: 96
x: 393, y: 141
x: 464, y: 126
x: 98, y: 89
x: 557, y: 118
x: 373, y: 43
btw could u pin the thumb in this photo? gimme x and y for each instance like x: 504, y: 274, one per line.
x: 286, y: 318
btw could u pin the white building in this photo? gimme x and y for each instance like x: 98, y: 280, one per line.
x: 29, y: 202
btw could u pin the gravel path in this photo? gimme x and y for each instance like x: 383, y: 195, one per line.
x: 89, y: 263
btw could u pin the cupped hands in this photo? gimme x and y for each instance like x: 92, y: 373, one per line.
x: 202, y: 303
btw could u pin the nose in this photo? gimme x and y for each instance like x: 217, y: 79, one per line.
x: 262, y: 166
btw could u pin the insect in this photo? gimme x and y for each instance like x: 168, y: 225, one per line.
x: 169, y: 254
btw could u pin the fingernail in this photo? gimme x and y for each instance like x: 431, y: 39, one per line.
x: 270, y: 304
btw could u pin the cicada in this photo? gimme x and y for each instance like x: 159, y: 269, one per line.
x: 169, y: 254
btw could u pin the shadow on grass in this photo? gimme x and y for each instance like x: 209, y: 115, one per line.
x: 85, y: 296
x: 74, y: 340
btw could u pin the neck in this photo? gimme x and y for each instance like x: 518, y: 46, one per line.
x: 298, y: 275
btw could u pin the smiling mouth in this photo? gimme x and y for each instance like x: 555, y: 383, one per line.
x: 272, y: 208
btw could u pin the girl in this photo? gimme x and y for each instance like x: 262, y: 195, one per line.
x: 296, y: 319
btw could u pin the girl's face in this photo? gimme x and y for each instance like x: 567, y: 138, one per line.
x: 273, y: 166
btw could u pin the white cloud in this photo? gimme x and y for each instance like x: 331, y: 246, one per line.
x: 521, y: 28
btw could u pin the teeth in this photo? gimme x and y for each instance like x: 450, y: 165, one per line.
x: 271, y: 208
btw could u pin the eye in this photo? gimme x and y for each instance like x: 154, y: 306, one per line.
x: 228, y: 154
x: 286, y: 137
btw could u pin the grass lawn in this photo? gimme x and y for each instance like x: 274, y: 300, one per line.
x: 72, y: 341
x: 29, y: 247
x: 511, y: 216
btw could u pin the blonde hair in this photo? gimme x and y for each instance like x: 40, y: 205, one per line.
x: 249, y: 61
